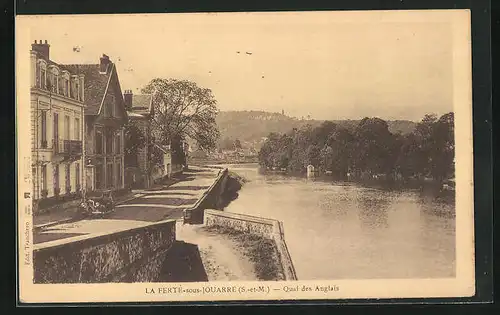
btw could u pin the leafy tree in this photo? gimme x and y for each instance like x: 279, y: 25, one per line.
x: 313, y: 155
x: 134, y: 140
x: 237, y: 144
x: 340, y: 154
x: 182, y: 110
x: 443, y: 151
x: 372, y: 145
x: 226, y: 144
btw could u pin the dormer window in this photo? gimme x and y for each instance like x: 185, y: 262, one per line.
x: 78, y: 94
x: 66, y: 87
x: 53, y: 77
x: 75, y: 87
x: 42, y: 74
x: 64, y: 84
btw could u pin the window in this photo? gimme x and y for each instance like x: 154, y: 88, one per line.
x: 98, y: 142
x: 77, y: 128
x: 67, y: 178
x: 112, y: 109
x: 43, y: 77
x: 109, y: 141
x: 56, y: 179
x: 37, y: 75
x: 109, y: 175
x: 117, y: 143
x: 73, y: 88
x: 56, y: 131
x: 44, y: 177
x: 66, y: 87
x: 77, y: 176
x: 67, y: 128
x: 77, y: 94
x: 61, y: 87
x: 119, y: 175
x: 43, y: 122
x: 52, y: 81
x: 99, y: 182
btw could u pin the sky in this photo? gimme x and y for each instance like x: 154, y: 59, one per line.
x: 329, y: 65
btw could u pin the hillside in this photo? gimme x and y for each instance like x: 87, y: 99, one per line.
x: 251, y: 126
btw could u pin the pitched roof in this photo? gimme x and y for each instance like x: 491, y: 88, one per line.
x: 95, y: 85
x: 134, y: 115
x: 142, y: 103
x: 163, y: 148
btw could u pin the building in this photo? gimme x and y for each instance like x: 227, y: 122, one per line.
x: 140, y: 112
x: 170, y: 166
x: 57, y: 119
x: 105, y: 119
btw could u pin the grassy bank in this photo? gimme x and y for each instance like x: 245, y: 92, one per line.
x: 260, y: 251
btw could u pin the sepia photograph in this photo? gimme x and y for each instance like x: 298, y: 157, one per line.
x: 245, y: 156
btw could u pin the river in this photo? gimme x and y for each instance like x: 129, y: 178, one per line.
x: 338, y: 230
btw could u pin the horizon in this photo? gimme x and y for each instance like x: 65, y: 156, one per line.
x: 335, y: 65
x: 336, y: 119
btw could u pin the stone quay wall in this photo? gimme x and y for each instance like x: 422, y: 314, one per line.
x: 267, y: 228
x: 134, y: 255
x: 212, y: 198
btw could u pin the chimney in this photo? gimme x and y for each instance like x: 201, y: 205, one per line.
x: 42, y: 49
x: 103, y: 68
x: 127, y: 98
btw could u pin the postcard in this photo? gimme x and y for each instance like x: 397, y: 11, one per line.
x: 245, y: 156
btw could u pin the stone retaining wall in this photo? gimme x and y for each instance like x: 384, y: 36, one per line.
x: 267, y: 228
x: 211, y: 199
x: 134, y: 255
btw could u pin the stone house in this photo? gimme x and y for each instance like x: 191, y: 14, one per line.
x: 57, y: 118
x: 105, y: 119
x: 140, y: 112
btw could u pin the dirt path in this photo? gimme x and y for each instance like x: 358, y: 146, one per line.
x: 220, y: 255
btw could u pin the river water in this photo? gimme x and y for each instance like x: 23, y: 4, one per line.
x: 337, y: 230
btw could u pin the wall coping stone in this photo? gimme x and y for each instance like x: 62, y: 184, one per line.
x: 100, y: 238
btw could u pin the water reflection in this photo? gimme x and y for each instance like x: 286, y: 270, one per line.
x: 338, y: 230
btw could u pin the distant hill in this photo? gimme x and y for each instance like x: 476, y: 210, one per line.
x: 251, y: 126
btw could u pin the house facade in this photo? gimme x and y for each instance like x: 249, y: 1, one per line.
x: 140, y: 112
x: 105, y: 119
x: 57, y: 120
x: 171, y: 165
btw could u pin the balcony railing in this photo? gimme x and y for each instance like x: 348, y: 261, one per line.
x: 68, y: 147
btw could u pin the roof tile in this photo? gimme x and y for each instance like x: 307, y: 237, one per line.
x: 95, y: 84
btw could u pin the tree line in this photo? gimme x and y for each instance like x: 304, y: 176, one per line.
x: 367, y: 150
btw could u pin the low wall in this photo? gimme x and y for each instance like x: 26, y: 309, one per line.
x: 211, y: 199
x: 134, y: 255
x: 267, y: 228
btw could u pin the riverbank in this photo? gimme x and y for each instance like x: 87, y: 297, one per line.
x: 260, y: 251
x: 219, y: 256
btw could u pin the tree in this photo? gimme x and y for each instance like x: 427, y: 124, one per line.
x: 313, y: 154
x: 134, y: 140
x: 340, y: 153
x: 237, y: 144
x: 226, y: 144
x: 183, y: 110
x: 442, y: 153
x: 373, y: 140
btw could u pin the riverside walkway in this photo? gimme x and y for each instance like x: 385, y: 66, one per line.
x: 149, y: 206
